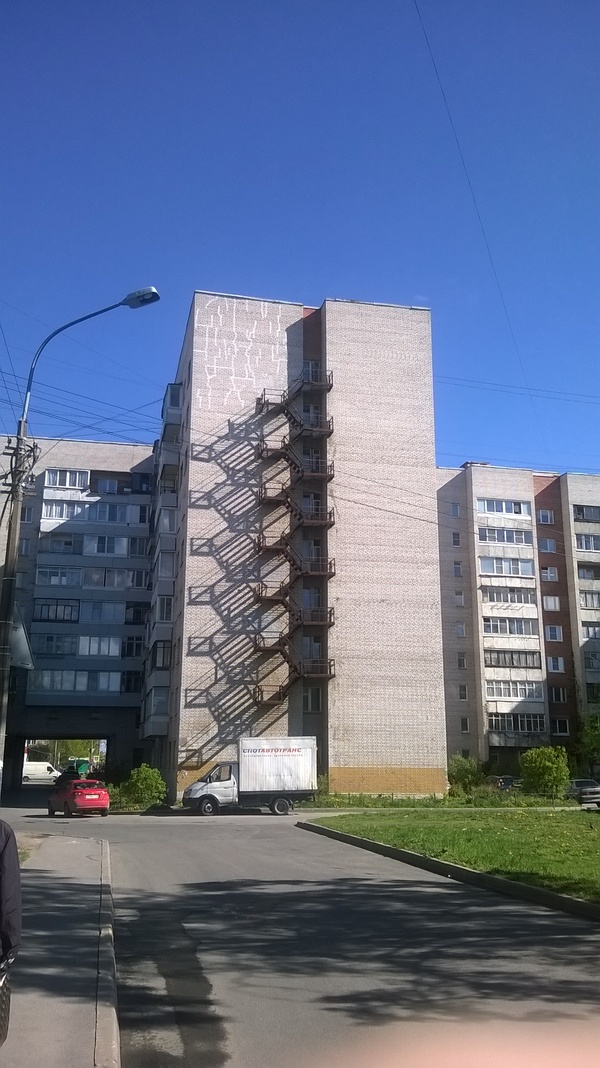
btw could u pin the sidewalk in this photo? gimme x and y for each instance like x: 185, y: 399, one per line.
x: 63, y: 993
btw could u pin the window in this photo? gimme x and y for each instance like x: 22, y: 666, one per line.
x: 511, y: 658
x: 550, y: 574
x: 131, y: 682
x: 107, y: 513
x: 506, y: 536
x: 459, y: 599
x: 108, y: 485
x: 166, y: 565
x: 138, y: 546
x: 461, y: 661
x: 99, y: 645
x: 167, y: 520
x: 546, y: 516
x: 593, y: 692
x: 555, y: 663
x: 592, y: 661
x: 26, y: 514
x: 132, y: 647
x: 49, y: 679
x: 589, y: 513
x: 160, y: 655
x: 164, y: 608
x: 557, y: 695
x: 455, y: 510
x: 23, y: 546
x: 456, y: 539
x: 68, y: 479
x: 457, y: 569
x: 58, y: 576
x: 559, y: 726
x: 102, y: 612
x: 464, y: 724
x: 508, y: 507
x: 136, y: 612
x: 589, y: 599
x: 461, y: 630
x: 520, y: 722
x: 547, y: 545
x: 587, y: 571
x: 502, y: 625
x: 551, y: 604
x: 142, y: 513
x: 158, y: 701
x: 554, y: 634
x: 57, y: 611
x: 311, y: 699
x: 465, y: 753
x: 591, y: 629
x: 54, y: 644
x: 500, y: 565
x: 505, y: 594
x: 101, y: 544
x: 61, y: 543
x: 590, y: 542
x: 462, y: 692
x: 505, y: 688
x: 63, y: 510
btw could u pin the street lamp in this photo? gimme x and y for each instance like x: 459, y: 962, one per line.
x: 23, y: 460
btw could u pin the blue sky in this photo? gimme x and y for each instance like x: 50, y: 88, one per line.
x: 301, y: 149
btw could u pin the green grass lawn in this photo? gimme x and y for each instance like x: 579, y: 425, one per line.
x: 558, y: 850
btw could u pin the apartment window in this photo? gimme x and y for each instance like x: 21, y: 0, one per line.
x: 158, y: 701
x: 456, y: 539
x: 560, y: 726
x: 507, y: 595
x: 547, y: 545
x: 462, y: 692
x: 589, y: 542
x: 465, y: 753
x: 160, y: 655
x: 461, y: 630
x: 138, y: 546
x: 455, y: 510
x: 102, y: 612
x: 505, y: 536
x: 502, y: 625
x: 589, y: 513
x: 464, y: 724
x: 589, y: 599
x: 557, y: 695
x: 131, y: 681
x: 107, y: 513
x: 511, y: 658
x: 98, y: 681
x: 459, y: 599
x: 54, y: 644
x: 519, y: 722
x: 136, y: 612
x: 593, y: 692
x: 546, y: 516
x: 49, y: 679
x: 69, y: 479
x: 500, y: 565
x: 166, y: 565
x: 592, y: 661
x: 506, y: 688
x: 99, y: 645
x: 311, y: 699
x: 26, y: 514
x: 76, y: 681
x: 461, y: 661
x: 554, y: 633
x: 585, y: 571
x: 102, y: 544
x: 63, y: 510
x: 108, y: 485
x: 23, y: 546
x: 550, y: 574
x: 132, y: 647
x: 555, y: 663
x: 61, y: 543
x: 56, y: 611
x: 507, y: 507
x: 58, y: 576
x: 164, y: 608
x: 167, y: 520
x: 457, y: 569
x: 590, y: 629
x: 551, y: 604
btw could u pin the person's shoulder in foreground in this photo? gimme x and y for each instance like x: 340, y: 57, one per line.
x: 10, y: 895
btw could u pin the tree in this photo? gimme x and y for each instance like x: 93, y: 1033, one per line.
x: 588, y: 744
x: 464, y: 772
x: 545, y: 771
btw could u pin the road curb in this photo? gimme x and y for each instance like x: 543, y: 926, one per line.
x: 107, y: 1044
x: 537, y: 895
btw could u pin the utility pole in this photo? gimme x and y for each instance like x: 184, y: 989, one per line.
x: 23, y: 459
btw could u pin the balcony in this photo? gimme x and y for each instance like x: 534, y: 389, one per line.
x: 317, y: 669
x: 317, y: 378
x: 270, y: 641
x: 269, y: 696
x: 319, y: 566
x: 171, y: 406
x: 317, y: 617
x: 316, y: 515
x: 272, y: 493
x: 155, y: 725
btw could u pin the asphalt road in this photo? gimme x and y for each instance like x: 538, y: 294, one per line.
x: 245, y: 941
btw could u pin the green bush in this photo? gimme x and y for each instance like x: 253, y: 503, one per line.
x: 545, y: 771
x: 144, y: 787
x: 464, y: 772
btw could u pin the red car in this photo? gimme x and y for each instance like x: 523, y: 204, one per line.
x: 79, y: 797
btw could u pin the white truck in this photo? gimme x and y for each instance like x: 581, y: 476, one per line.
x: 271, y: 772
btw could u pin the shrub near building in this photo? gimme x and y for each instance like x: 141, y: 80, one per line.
x: 545, y: 771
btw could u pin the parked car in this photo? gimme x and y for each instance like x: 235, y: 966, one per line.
x: 503, y: 782
x: 80, y: 797
x: 39, y: 771
x: 586, y: 791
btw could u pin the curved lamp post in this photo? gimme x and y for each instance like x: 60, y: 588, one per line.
x: 23, y: 460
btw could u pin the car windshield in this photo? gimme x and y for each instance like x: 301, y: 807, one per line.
x: 88, y: 784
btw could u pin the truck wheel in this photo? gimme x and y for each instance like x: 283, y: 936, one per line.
x: 280, y: 806
x: 208, y: 807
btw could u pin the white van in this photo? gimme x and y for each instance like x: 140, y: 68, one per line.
x: 39, y: 772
